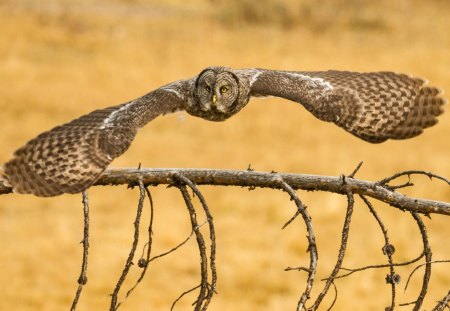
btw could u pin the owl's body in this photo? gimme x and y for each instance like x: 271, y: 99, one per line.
x: 372, y: 106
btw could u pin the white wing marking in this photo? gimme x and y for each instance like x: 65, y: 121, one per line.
x: 107, y: 120
x: 169, y: 88
x: 172, y: 88
x: 256, y: 74
x: 325, y: 84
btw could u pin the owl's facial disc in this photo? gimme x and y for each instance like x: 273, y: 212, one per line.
x: 225, y: 92
x: 216, y: 95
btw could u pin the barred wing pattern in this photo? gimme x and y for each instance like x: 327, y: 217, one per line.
x: 63, y: 160
x: 71, y: 157
x: 372, y: 106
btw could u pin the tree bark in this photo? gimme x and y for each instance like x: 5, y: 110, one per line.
x: 249, y: 178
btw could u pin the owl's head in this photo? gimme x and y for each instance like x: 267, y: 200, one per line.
x: 218, y: 94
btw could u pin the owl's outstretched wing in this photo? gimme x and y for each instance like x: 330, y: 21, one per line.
x: 70, y: 157
x: 373, y: 106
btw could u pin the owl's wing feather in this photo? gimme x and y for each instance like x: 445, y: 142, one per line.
x: 373, y: 106
x: 70, y: 158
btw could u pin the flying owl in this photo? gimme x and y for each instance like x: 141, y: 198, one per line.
x: 373, y: 106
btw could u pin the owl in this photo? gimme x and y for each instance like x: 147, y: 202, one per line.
x: 373, y: 106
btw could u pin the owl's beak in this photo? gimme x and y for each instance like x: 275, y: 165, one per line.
x: 214, y: 99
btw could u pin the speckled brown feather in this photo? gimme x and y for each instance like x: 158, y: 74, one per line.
x: 71, y: 157
x: 372, y: 106
x: 63, y: 160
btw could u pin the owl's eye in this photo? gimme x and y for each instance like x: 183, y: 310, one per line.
x: 223, y: 89
x: 207, y: 88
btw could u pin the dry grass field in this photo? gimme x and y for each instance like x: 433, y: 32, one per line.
x: 61, y: 59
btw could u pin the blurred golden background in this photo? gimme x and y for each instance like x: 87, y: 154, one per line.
x: 61, y: 59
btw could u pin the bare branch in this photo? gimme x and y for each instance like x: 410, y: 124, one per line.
x: 246, y: 178
x: 342, y: 249
x: 201, y: 246
x: 413, y: 172
x: 388, y: 248
x: 212, y: 236
x: 312, y: 248
x: 420, y: 266
x: 384, y: 190
x: 351, y: 271
x: 443, y: 303
x: 144, y: 262
x: 82, y: 280
x: 352, y: 175
x: 297, y: 212
x: 177, y: 246
x: 427, y: 252
x: 335, y: 294
x: 182, y: 295
x: 297, y: 269
x: 129, y: 262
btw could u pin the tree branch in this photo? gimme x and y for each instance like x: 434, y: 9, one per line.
x: 82, y: 279
x: 312, y: 247
x: 382, y: 190
x: 114, y: 296
x: 245, y: 178
x: 202, y: 249
x: 342, y: 249
x: 443, y: 303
